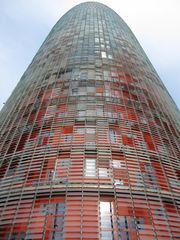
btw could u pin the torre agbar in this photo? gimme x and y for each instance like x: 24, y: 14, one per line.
x: 89, y: 139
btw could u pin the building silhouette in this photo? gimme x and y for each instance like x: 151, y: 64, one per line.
x: 89, y: 138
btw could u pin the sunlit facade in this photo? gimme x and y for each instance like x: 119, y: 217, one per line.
x: 89, y: 139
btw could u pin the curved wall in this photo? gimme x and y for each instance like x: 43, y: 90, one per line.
x: 89, y: 138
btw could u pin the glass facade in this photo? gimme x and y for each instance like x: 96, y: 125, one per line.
x: 89, y: 139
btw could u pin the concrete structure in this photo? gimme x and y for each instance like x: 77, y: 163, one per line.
x: 89, y: 138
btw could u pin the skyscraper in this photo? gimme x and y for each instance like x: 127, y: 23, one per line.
x: 89, y: 138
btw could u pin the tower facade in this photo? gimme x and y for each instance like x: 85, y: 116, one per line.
x: 89, y: 138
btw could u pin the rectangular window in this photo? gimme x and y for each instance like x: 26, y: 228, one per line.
x: 74, y: 91
x: 112, y: 136
x: 150, y: 180
x: 99, y: 112
x: 106, y: 235
x: 51, y: 175
x: 90, y: 130
x: 56, y: 212
x: 90, y: 89
x: 148, y: 168
x: 103, y: 55
x: 106, y: 211
x: 82, y: 113
x: 123, y: 222
x: 162, y: 149
x: 90, y: 144
x: 116, y: 164
x: 142, y: 145
x: 130, y: 135
x: 81, y: 106
x: 90, y: 113
x: 68, y: 137
x: 90, y: 167
x: 61, y: 170
x: 140, y: 222
x: 56, y: 235
x: 118, y: 182
x: 126, y: 225
x: 80, y: 130
x: 96, y: 40
x: 63, y: 163
x: 103, y: 172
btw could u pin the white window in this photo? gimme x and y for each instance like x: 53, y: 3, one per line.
x: 90, y: 89
x: 116, y: 164
x: 107, y: 93
x: 118, y: 182
x: 103, y: 55
x: 103, y: 172
x: 81, y: 106
x: 106, y: 216
x: 112, y: 135
x: 109, y: 114
x: 91, y: 113
x: 90, y: 167
x: 90, y: 130
x: 96, y: 40
x: 80, y: 130
x: 90, y: 144
x: 99, y: 112
x: 105, y: 211
x: 82, y: 113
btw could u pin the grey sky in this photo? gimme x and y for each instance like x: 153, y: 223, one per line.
x: 25, y: 24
